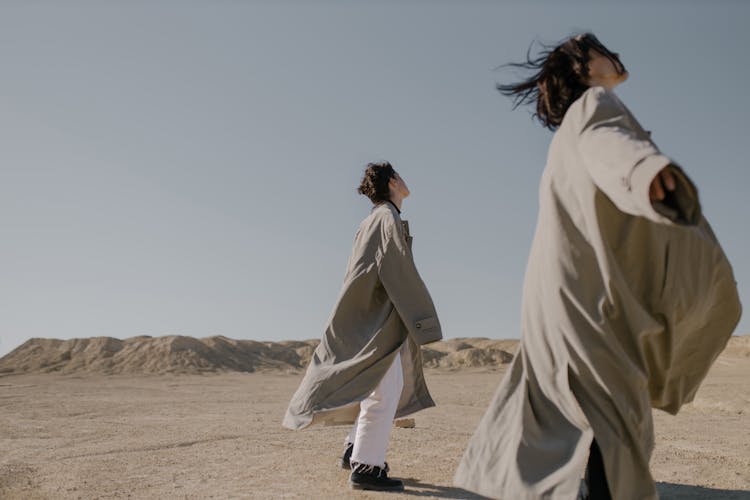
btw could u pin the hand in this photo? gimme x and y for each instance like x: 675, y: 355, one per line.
x: 663, y: 182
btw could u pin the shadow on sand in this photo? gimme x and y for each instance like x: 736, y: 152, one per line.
x: 415, y: 488
x: 671, y: 491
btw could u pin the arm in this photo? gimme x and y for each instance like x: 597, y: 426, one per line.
x: 405, y: 287
x: 626, y: 165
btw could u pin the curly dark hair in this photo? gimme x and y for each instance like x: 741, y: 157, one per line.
x: 374, y: 184
x: 560, y: 75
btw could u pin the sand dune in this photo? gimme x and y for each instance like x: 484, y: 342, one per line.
x: 738, y: 347
x: 188, y: 355
x: 152, y: 355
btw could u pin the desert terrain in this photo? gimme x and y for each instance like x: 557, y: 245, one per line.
x: 176, y: 417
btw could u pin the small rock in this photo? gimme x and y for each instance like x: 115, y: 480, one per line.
x: 405, y: 423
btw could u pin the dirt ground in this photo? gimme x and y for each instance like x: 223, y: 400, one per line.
x: 219, y: 436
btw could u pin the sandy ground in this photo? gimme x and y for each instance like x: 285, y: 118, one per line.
x: 219, y: 436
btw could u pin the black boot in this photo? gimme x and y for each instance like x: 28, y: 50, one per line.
x: 344, y: 460
x: 370, y: 477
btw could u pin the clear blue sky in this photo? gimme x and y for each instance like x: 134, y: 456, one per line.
x: 190, y: 167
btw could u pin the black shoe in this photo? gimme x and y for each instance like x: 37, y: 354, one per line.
x: 344, y: 460
x: 370, y: 477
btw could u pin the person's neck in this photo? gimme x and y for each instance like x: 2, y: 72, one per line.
x: 396, y: 200
x: 607, y: 84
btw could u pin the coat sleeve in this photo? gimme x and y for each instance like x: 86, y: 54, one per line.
x: 623, y: 161
x: 405, y: 287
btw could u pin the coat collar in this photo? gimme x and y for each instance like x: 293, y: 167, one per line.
x: 388, y: 204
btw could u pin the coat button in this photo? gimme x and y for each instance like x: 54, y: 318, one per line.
x: 419, y: 325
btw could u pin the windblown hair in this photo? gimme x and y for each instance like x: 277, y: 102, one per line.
x: 559, y: 78
x: 375, y: 181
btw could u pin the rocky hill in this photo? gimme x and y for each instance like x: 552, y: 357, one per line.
x: 188, y: 355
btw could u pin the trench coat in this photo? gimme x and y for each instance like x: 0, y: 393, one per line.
x: 384, y: 308
x: 626, y: 304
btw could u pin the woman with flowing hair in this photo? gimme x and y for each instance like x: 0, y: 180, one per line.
x: 628, y: 297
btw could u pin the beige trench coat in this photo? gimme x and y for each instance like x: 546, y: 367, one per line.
x: 384, y: 307
x: 625, y: 306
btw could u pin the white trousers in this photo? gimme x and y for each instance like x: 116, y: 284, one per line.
x: 372, y: 429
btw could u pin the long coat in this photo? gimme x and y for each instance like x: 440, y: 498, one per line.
x: 384, y: 308
x: 626, y: 304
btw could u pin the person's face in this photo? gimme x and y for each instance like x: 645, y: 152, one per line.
x: 604, y: 71
x: 398, y: 186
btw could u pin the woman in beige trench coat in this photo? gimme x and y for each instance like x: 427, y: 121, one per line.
x: 628, y: 298
x: 367, y: 368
